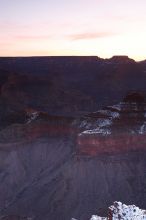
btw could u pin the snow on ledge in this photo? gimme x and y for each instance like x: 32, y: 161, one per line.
x: 126, y: 212
x: 119, y: 211
x: 32, y: 116
x: 101, y: 131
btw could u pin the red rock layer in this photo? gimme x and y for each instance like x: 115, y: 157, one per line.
x: 96, y: 145
x: 22, y: 133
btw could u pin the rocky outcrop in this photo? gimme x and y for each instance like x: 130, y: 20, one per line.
x: 115, y: 129
x: 122, y: 211
x: 119, y: 211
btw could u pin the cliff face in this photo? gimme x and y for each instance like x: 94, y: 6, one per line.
x: 93, y: 145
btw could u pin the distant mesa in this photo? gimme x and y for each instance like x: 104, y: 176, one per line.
x: 122, y: 59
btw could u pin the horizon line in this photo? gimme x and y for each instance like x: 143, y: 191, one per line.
x: 31, y: 56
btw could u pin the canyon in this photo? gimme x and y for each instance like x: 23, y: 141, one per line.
x: 72, y: 136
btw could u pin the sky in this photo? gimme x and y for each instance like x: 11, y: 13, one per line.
x: 80, y: 27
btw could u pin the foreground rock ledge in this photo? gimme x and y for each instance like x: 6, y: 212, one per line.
x: 122, y: 212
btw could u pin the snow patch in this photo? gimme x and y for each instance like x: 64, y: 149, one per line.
x: 117, y: 107
x: 85, y: 124
x: 109, y: 113
x: 95, y: 217
x: 102, y: 131
x: 103, y: 122
x: 142, y: 129
x: 32, y: 116
x: 126, y: 212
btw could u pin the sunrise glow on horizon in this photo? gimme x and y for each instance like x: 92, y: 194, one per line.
x: 81, y: 27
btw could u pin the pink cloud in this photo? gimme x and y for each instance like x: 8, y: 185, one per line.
x: 90, y: 35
